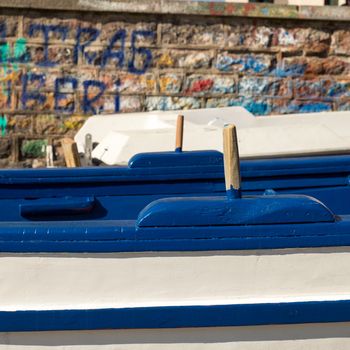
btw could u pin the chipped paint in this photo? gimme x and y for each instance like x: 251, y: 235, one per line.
x: 170, y: 83
x: 200, y: 86
x: 255, y: 106
x: 172, y: 103
x: 286, y: 37
x: 262, y: 86
x: 243, y: 63
x: 165, y: 60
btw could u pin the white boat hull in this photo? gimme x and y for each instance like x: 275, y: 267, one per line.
x: 96, y: 281
x: 61, y: 283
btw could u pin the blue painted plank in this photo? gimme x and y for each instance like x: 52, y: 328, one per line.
x: 118, y: 230
x: 175, y: 159
x: 176, y: 316
x: 57, y: 206
x: 125, y: 239
x: 249, y: 168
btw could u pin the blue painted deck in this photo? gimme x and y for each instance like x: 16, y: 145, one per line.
x: 120, y: 193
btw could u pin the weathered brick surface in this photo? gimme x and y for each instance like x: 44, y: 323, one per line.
x: 301, y: 106
x: 110, y: 26
x: 58, y: 68
x: 305, y: 38
x: 5, y: 147
x: 325, y: 88
x: 259, y: 106
x: 312, y: 66
x: 209, y: 84
x: 138, y: 84
x: 170, y: 83
x: 341, y: 42
x: 48, y: 124
x: 186, y: 59
x: 56, y: 55
x: 22, y: 124
x: 244, y: 63
x: 172, y: 103
x: 131, y: 104
x: 193, y: 34
x: 257, y: 37
x: 262, y: 86
x: 9, y: 26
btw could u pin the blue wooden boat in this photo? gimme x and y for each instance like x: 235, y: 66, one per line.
x: 121, y: 192
x: 214, y: 272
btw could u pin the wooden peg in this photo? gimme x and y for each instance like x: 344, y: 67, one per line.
x: 179, y: 133
x: 49, y: 156
x: 231, y: 161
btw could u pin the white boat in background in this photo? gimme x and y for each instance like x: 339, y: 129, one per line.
x: 100, y: 125
x: 120, y: 136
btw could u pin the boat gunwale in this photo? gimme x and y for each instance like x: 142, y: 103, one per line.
x: 123, y: 236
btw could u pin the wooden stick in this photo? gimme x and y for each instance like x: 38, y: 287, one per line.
x: 179, y: 133
x: 231, y: 159
x: 49, y: 156
x: 88, y: 150
x: 70, y: 152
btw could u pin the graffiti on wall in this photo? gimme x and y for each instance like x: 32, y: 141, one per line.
x: 131, y: 58
x: 71, y: 69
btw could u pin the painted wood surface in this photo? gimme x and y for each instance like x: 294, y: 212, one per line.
x: 125, y: 280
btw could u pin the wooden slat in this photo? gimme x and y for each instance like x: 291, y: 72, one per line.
x: 70, y: 152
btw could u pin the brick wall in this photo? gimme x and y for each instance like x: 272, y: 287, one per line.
x: 56, y: 67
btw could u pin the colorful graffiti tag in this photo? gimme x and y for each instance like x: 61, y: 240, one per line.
x: 116, y: 53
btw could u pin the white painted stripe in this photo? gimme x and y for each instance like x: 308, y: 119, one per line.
x: 92, y: 281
